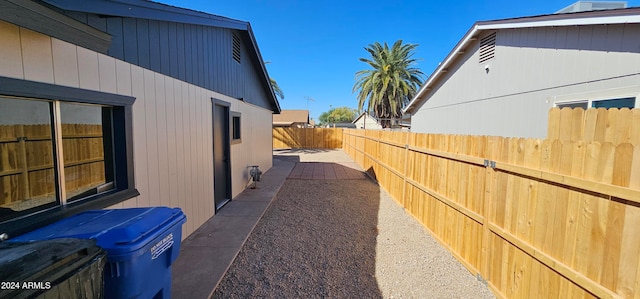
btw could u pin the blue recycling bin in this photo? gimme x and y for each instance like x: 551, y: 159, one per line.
x: 141, y: 245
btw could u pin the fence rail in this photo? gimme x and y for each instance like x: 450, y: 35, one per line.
x: 549, y: 218
x: 307, y: 138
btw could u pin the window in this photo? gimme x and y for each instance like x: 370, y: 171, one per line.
x: 62, y: 150
x: 628, y: 102
x: 583, y: 105
x: 615, y: 103
x: 235, y: 127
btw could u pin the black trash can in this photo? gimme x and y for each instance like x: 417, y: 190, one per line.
x: 58, y: 268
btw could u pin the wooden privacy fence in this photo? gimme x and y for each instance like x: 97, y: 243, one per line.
x: 307, y: 138
x: 612, y: 125
x: 533, y: 218
x: 26, y: 160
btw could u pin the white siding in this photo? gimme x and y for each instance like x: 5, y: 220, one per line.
x: 65, y: 63
x: 37, y: 56
x: 11, y: 60
x: 368, y: 123
x: 107, y: 73
x: 532, y: 69
x: 88, y: 69
x: 254, y: 134
x: 172, y: 121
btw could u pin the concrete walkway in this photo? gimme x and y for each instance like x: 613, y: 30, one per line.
x: 206, y: 254
x: 403, y: 249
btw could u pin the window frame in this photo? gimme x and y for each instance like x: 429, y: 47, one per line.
x: 234, y: 115
x: 561, y: 103
x: 597, y: 95
x: 122, y: 116
x: 590, y: 102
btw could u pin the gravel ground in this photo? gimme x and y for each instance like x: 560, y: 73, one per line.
x: 343, y: 239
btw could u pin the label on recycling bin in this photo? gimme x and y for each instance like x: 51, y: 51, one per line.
x: 162, y: 246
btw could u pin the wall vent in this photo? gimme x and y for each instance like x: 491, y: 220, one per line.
x: 488, y: 47
x: 236, y: 47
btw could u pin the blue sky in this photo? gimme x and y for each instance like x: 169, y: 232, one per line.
x: 314, y: 46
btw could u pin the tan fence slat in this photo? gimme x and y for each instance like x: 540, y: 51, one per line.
x: 287, y: 138
x: 31, y: 149
x: 550, y: 218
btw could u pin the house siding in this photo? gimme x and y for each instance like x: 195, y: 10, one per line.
x: 200, y: 55
x: 533, y: 68
x: 367, y: 122
x: 172, y: 120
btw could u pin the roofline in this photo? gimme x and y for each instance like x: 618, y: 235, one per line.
x: 362, y: 114
x: 144, y: 9
x: 263, y: 67
x: 306, y: 115
x: 598, y: 17
x: 148, y: 10
x: 41, y: 18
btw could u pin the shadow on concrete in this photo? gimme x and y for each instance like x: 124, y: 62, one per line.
x: 301, y: 150
x: 317, y: 239
x: 288, y: 158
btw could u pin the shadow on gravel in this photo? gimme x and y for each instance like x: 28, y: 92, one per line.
x: 316, y: 240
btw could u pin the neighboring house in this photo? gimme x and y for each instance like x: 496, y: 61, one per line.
x: 126, y: 103
x: 504, y: 76
x: 292, y: 119
x: 366, y: 121
x: 346, y: 125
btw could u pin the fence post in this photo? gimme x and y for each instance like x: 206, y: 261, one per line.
x: 22, y: 141
x: 404, y: 172
x: 491, y: 146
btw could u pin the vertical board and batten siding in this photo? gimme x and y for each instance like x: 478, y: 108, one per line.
x: 532, y: 69
x: 200, y: 55
x: 552, y: 218
x: 172, y: 120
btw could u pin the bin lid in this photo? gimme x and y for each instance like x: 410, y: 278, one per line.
x: 118, y: 231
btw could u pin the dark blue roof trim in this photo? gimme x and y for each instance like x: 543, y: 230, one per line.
x: 148, y: 10
x: 143, y: 9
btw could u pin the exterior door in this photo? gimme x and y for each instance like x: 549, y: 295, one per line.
x: 221, y: 157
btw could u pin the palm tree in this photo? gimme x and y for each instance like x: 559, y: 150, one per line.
x: 275, y: 86
x: 392, y: 82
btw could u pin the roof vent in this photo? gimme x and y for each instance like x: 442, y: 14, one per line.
x: 236, y: 47
x: 488, y: 47
x: 592, y: 5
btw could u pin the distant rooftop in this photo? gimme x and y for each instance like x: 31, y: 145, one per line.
x: 289, y: 117
x: 592, y: 5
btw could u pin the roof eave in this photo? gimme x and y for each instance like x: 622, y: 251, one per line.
x: 468, y: 37
x: 263, y: 68
x: 616, y: 16
x: 162, y: 12
x: 148, y: 10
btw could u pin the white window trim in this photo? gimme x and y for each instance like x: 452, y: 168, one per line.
x: 600, y: 95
